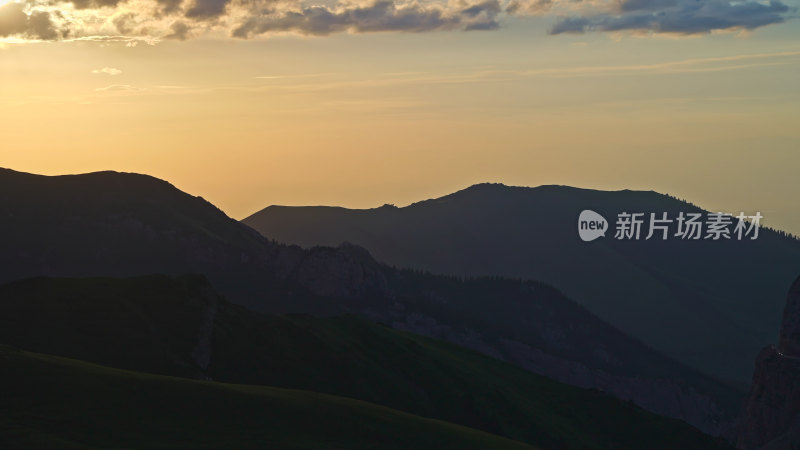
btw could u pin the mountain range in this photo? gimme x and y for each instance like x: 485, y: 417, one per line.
x: 710, y: 304
x: 118, y: 224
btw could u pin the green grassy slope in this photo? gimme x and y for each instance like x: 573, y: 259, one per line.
x: 154, y: 323
x: 352, y: 357
x: 52, y: 402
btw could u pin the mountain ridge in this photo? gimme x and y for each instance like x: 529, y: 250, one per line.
x: 108, y: 228
x: 720, y: 297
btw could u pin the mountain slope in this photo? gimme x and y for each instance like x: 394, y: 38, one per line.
x: 180, y: 326
x: 127, y: 224
x: 710, y: 304
x: 64, y: 403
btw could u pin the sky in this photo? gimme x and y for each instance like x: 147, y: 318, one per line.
x: 359, y: 103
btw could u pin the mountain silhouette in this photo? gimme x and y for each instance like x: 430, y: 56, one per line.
x: 710, y: 304
x: 119, y: 224
x: 181, y: 326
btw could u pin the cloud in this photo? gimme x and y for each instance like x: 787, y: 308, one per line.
x: 180, y: 31
x: 169, y: 6
x: 206, y: 9
x: 382, y: 15
x: 531, y: 7
x: 37, y: 24
x: 108, y: 71
x: 94, y: 4
x: 134, y: 21
x: 119, y: 88
x: 686, y: 17
x: 128, y: 41
x: 124, y: 22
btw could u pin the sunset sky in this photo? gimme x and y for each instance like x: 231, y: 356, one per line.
x: 257, y: 102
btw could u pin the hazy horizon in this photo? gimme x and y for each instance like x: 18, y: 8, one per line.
x: 407, y: 200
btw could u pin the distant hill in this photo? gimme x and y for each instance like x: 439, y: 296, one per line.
x: 120, y: 224
x: 710, y: 304
x: 59, y: 403
x: 180, y: 326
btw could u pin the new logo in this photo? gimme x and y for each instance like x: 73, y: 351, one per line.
x: 591, y: 225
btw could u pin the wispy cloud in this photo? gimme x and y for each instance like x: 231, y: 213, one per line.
x: 302, y: 75
x: 107, y: 71
x: 709, y: 64
x: 119, y: 88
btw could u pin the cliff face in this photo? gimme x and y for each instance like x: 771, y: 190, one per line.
x: 772, y: 412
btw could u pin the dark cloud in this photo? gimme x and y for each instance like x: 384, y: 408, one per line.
x: 94, y: 4
x: 180, y: 31
x: 169, y: 6
x: 383, y: 15
x: 207, y: 9
x: 535, y: 7
x: 571, y: 25
x: 678, y: 16
x: 41, y: 26
x: 36, y: 25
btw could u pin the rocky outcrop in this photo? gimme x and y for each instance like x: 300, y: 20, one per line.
x: 772, y: 412
x: 347, y: 271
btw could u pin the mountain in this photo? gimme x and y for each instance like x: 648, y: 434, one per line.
x: 119, y: 224
x: 59, y: 403
x: 109, y: 223
x: 772, y: 412
x: 181, y: 326
x: 709, y: 304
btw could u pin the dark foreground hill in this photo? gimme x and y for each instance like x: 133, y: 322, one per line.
x: 710, y: 304
x: 119, y: 224
x: 57, y: 403
x: 180, y: 326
